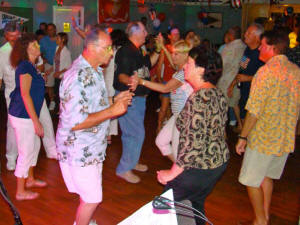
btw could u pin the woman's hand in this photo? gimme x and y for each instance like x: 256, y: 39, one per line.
x: 38, y: 128
x: 164, y: 176
x: 134, y: 81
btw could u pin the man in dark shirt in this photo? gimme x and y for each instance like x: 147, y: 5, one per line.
x: 130, y: 60
x: 249, y: 64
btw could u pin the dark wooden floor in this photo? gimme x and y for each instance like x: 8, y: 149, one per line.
x: 226, y: 205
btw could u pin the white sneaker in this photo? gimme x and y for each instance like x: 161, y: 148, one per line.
x: 52, y: 105
x: 10, y: 166
x: 232, y: 123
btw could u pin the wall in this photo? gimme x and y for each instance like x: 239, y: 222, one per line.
x: 185, y: 17
x: 231, y: 17
x: 42, y: 9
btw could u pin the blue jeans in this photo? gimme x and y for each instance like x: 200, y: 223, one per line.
x: 133, y: 134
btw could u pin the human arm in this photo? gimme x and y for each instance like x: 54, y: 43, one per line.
x: 164, y: 176
x: 116, y: 109
x: 243, y: 78
x: 80, y: 32
x: 171, y: 85
x: 250, y: 122
x: 25, y: 85
x: 160, y: 66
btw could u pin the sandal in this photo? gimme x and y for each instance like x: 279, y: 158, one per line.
x: 28, y: 195
x: 36, y: 183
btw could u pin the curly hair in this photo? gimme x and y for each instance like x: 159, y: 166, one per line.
x: 210, y: 60
x: 19, y: 51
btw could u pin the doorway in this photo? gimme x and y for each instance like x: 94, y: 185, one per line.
x: 62, y: 18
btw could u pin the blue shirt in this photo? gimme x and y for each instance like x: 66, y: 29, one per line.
x: 37, y: 91
x: 82, y: 91
x: 249, y: 64
x: 48, y: 48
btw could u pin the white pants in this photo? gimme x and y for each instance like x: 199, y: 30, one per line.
x: 28, y: 145
x: 48, y: 139
x: 168, y: 134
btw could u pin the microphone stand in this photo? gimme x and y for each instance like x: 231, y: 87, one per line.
x: 162, y: 203
x: 13, y: 209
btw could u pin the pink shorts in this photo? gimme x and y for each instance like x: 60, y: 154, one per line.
x: 85, y: 181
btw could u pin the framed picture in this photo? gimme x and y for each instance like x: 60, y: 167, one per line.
x: 210, y: 20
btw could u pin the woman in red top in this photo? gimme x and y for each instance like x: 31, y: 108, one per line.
x: 166, y: 68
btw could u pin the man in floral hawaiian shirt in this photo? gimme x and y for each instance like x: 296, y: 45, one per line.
x: 269, y: 130
x: 85, y: 111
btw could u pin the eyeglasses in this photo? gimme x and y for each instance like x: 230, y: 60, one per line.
x: 108, y: 48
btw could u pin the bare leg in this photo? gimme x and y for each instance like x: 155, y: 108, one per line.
x: 165, y: 101
x: 236, y: 110
x: 85, y: 212
x: 267, y: 187
x: 51, y: 94
x: 22, y: 193
x: 256, y: 197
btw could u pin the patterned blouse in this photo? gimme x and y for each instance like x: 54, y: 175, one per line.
x: 201, y: 125
x: 82, y: 91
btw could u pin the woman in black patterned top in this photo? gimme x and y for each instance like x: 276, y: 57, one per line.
x: 202, y: 153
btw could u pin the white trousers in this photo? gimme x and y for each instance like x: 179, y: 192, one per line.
x: 168, y: 134
x: 28, y: 143
x: 48, y: 139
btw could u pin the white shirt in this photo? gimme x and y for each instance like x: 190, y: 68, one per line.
x: 7, y: 72
x: 82, y: 91
x: 65, y: 59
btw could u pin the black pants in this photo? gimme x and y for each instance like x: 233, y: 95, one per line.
x: 195, y: 185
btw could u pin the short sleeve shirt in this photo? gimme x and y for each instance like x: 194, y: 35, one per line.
x: 82, y: 92
x: 48, y: 48
x: 181, y: 94
x: 275, y: 101
x: 249, y: 65
x: 130, y: 59
x: 7, y: 72
x: 201, y: 124
x: 37, y: 91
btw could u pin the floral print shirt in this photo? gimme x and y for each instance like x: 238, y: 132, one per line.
x: 201, y: 124
x: 275, y: 101
x: 82, y: 91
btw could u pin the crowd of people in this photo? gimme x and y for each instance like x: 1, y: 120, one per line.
x: 255, y: 80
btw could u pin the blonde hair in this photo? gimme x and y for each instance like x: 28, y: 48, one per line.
x: 182, y: 46
x: 193, y: 40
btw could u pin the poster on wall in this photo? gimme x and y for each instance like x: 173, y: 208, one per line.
x: 24, y: 16
x: 113, y: 11
x: 7, y: 17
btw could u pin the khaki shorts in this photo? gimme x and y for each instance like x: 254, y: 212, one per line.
x: 234, y: 100
x: 50, y: 78
x: 256, y: 166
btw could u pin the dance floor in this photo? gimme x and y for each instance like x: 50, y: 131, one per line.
x: 226, y: 205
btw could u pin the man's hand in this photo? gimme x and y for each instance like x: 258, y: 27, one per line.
x: 240, y: 146
x: 134, y: 81
x: 122, y: 100
x: 243, y: 78
x: 229, y: 91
